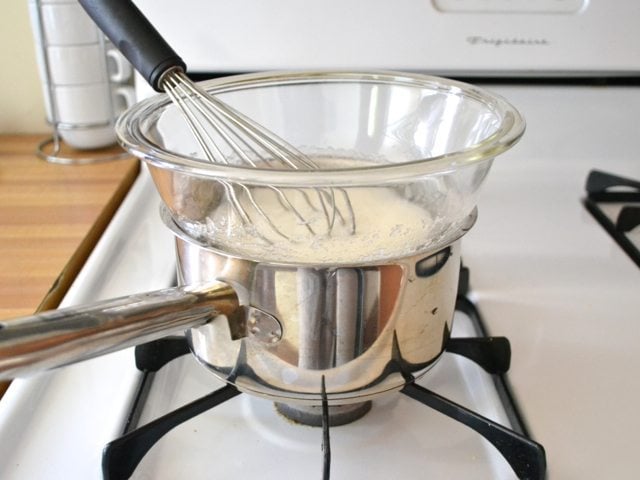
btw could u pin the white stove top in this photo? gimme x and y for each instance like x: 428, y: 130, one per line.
x: 548, y: 277
x: 543, y: 273
x: 245, y: 436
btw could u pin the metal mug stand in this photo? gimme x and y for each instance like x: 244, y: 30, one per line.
x: 55, y: 155
x: 51, y: 149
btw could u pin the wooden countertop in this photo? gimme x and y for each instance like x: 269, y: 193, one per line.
x: 51, y: 216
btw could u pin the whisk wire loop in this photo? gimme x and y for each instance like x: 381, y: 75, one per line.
x: 215, y: 124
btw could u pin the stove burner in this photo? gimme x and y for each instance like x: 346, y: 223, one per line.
x: 312, y: 415
x: 615, y: 203
x: 526, y: 457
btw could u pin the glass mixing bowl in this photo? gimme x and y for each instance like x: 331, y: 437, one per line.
x: 399, y: 159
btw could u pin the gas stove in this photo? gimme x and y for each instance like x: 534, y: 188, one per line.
x: 543, y: 272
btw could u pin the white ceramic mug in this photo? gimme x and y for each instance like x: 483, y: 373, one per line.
x: 86, y: 113
x: 67, y: 24
x: 88, y: 138
x: 82, y: 104
x: 91, y: 104
x: 76, y: 64
x: 85, y: 64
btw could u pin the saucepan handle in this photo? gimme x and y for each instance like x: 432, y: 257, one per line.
x: 60, y: 337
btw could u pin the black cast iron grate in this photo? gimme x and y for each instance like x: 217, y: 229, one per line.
x: 525, y: 456
x: 605, y: 188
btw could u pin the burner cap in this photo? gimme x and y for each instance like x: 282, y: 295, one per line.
x: 312, y: 414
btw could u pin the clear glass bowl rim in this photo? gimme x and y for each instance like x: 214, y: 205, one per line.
x: 131, y: 125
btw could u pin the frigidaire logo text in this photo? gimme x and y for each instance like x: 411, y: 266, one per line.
x: 498, y: 42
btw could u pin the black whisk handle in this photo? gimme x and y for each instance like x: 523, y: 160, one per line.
x: 130, y: 31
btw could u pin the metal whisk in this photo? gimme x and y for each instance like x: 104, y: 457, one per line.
x: 223, y: 133
x: 213, y: 123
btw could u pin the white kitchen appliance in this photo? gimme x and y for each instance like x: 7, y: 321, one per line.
x: 543, y: 272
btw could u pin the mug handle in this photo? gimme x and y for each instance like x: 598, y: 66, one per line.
x: 123, y: 97
x: 123, y: 69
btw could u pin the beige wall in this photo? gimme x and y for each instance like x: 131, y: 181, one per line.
x: 21, y: 102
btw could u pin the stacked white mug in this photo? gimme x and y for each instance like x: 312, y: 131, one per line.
x: 87, y: 83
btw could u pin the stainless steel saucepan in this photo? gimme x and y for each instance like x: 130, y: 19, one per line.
x: 279, y: 316
x: 361, y: 327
